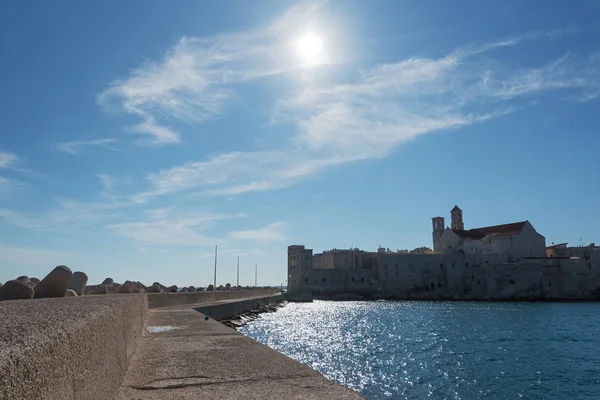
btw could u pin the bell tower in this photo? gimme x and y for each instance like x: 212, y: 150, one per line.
x: 438, y: 229
x: 457, y: 220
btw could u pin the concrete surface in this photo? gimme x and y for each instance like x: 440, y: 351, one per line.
x: 173, y: 299
x: 224, y: 309
x: 68, y: 348
x: 183, y: 356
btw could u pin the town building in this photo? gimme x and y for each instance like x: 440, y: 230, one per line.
x: 500, y: 262
x: 517, y: 240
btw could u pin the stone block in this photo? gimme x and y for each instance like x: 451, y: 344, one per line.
x: 127, y: 287
x: 16, y: 290
x: 54, y: 284
x: 78, y: 282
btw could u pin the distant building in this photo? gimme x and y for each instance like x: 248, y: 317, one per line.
x: 563, y: 250
x: 500, y: 262
x: 517, y: 240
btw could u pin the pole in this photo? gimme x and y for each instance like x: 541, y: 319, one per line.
x: 255, y: 275
x: 215, y: 281
x: 238, y: 273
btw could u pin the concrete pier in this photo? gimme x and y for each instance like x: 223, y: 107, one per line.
x: 146, y: 346
x: 68, y: 348
x: 182, y: 355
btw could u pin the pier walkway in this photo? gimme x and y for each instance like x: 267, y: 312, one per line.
x: 182, y: 355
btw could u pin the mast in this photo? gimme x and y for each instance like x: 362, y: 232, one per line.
x: 215, y: 280
x: 255, y: 275
x: 238, y: 272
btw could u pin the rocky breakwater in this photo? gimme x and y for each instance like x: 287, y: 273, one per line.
x: 62, y: 282
x: 242, y: 319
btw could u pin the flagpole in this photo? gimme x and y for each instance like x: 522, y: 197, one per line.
x: 215, y: 281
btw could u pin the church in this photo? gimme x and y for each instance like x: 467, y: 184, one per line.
x: 517, y: 240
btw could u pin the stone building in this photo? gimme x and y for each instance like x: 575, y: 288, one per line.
x: 501, y: 262
x: 517, y: 240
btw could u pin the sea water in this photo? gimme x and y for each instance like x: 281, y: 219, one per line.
x: 443, y: 350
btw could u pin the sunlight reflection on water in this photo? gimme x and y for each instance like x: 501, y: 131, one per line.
x: 443, y: 350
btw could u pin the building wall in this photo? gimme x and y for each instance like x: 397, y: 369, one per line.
x: 452, y: 275
x: 331, y: 281
x: 339, y: 259
x: 528, y: 243
x: 299, y: 264
x: 423, y: 275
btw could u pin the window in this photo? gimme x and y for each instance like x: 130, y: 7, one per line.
x: 440, y: 285
x: 324, y: 280
x: 473, y: 277
x: 353, y: 280
x: 511, y: 281
x: 549, y: 283
x: 466, y: 265
x: 441, y: 265
x: 479, y: 282
x: 432, y: 286
x: 452, y: 265
x: 306, y: 280
x: 362, y: 280
x: 396, y: 265
x: 396, y: 273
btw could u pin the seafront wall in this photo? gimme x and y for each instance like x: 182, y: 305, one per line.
x: 80, y: 347
x: 184, y: 355
x: 68, y: 348
x: 221, y: 311
x: 175, y: 299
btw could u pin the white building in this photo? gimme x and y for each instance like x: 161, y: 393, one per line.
x: 516, y: 240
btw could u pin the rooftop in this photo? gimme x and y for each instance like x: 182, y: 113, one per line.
x: 493, y: 231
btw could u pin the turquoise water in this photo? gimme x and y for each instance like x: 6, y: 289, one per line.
x: 444, y: 350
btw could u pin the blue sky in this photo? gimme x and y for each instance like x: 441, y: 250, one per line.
x: 137, y: 135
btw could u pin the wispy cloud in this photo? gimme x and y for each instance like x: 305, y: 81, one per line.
x: 170, y: 227
x: 272, y: 233
x: 233, y: 173
x: 194, y: 81
x: 33, y: 256
x: 15, y: 218
x: 81, y: 146
x: 9, y: 186
x: 390, y: 104
x: 7, y: 159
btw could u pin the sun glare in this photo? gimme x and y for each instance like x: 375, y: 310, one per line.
x: 309, y: 48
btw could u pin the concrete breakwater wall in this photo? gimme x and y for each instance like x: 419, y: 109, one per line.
x: 231, y: 309
x: 176, y: 299
x: 79, y: 347
x: 185, y: 355
x: 68, y: 348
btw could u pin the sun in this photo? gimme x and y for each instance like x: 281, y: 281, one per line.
x: 309, y: 48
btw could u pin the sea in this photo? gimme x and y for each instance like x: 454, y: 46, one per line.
x: 443, y: 350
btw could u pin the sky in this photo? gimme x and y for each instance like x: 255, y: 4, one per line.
x: 137, y: 135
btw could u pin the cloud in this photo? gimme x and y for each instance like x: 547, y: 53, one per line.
x: 194, y: 81
x: 7, y: 159
x: 169, y: 227
x: 272, y: 233
x: 11, y: 255
x: 80, y: 146
x: 334, y: 123
x: 233, y: 173
x: 17, y: 219
x: 9, y: 187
